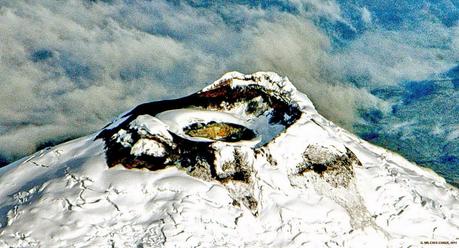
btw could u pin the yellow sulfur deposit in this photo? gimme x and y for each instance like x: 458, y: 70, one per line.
x: 215, y: 131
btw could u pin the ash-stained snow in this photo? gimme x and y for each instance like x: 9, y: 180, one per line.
x: 301, y: 182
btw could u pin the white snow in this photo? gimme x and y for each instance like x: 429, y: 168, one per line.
x: 147, y: 125
x: 123, y: 137
x: 66, y: 196
x: 148, y: 147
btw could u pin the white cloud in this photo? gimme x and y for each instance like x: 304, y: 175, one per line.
x: 67, y: 69
x: 366, y: 15
x: 326, y: 8
x: 453, y: 134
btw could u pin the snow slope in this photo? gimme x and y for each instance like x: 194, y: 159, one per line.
x: 301, y: 181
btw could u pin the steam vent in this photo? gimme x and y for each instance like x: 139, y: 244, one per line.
x: 245, y: 162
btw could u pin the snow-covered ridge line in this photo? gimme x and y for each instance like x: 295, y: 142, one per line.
x: 269, y: 80
x: 245, y: 162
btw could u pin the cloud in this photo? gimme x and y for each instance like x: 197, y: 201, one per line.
x: 388, y: 57
x: 67, y: 69
x: 320, y: 8
x: 366, y: 15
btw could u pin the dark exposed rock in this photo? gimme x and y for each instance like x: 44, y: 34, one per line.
x: 337, y: 170
x: 186, y: 153
x: 197, y: 158
x: 224, y: 95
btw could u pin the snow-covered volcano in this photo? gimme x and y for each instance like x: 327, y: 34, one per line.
x: 245, y: 162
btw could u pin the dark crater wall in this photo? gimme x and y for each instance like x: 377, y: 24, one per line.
x: 186, y: 153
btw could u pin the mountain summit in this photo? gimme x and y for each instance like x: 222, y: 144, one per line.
x: 245, y: 162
